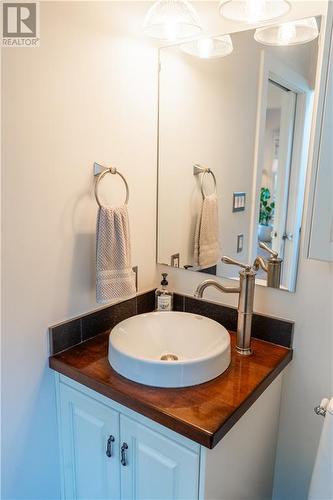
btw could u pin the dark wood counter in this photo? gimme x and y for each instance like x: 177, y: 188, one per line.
x: 203, y: 413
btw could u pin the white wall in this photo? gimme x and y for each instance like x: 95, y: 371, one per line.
x: 89, y: 93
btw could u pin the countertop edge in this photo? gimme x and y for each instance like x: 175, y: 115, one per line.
x: 199, y: 435
x: 192, y: 432
x: 251, y: 399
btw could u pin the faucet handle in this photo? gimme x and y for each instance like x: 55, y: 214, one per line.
x: 229, y: 260
x: 269, y: 250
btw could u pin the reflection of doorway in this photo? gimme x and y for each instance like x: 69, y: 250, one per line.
x: 283, y: 128
x: 278, y: 140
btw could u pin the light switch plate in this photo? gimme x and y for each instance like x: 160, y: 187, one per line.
x: 238, y: 204
x: 240, y: 242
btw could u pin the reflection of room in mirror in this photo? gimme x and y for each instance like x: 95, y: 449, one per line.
x: 280, y: 119
x: 215, y: 113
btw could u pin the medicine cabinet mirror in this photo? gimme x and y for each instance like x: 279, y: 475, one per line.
x: 247, y: 118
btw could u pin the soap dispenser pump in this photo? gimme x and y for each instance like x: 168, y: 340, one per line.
x: 163, y: 297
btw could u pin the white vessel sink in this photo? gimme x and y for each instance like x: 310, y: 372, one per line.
x: 169, y: 349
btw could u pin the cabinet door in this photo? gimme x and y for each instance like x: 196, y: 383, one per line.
x: 91, y: 465
x: 156, y: 467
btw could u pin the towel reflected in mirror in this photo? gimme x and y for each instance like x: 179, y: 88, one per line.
x: 206, y: 238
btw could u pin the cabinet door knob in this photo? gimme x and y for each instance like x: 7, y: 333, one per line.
x: 123, y: 460
x: 109, y: 446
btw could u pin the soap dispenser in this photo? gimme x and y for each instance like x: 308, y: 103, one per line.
x: 163, y: 297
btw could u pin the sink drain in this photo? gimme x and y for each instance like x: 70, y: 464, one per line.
x: 169, y: 357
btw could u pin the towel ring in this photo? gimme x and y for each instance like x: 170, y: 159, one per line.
x: 113, y: 171
x: 198, y: 169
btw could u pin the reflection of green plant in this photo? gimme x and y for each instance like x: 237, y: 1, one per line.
x: 266, y: 207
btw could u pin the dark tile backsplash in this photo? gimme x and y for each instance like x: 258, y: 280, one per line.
x: 273, y: 330
x: 146, y: 302
x: 105, y: 319
x: 71, y: 332
x: 178, y: 302
x: 227, y: 316
x: 67, y: 334
x: 278, y: 331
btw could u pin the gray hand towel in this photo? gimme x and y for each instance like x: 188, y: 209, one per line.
x: 115, y: 279
x: 206, y: 239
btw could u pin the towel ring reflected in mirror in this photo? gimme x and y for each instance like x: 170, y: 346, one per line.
x: 198, y: 169
x: 111, y: 170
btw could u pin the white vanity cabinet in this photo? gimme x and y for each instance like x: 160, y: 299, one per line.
x: 156, y: 466
x: 110, y: 452
x: 109, y: 455
x: 89, y: 430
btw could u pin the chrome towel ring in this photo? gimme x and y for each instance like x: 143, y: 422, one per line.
x: 198, y: 169
x: 100, y: 172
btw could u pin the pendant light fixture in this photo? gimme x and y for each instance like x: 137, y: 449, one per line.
x: 292, y: 33
x: 171, y: 20
x: 209, y: 48
x: 253, y: 11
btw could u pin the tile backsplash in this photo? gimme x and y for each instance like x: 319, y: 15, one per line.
x: 268, y: 328
x: 69, y: 333
x: 74, y: 331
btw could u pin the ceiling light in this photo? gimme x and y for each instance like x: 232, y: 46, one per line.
x: 209, y: 48
x: 292, y: 33
x: 171, y: 20
x: 253, y: 11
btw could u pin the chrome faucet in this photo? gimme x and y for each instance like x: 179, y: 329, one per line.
x: 272, y: 266
x: 246, y: 293
x: 245, y: 302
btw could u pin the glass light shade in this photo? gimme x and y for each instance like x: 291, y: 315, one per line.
x: 253, y: 11
x: 209, y: 48
x: 292, y: 33
x: 171, y: 20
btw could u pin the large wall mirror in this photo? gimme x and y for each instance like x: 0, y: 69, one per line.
x: 233, y: 151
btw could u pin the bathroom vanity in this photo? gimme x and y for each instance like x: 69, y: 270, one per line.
x: 124, y: 440
x: 120, y: 439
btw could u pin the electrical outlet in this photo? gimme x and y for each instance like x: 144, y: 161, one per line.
x: 175, y: 260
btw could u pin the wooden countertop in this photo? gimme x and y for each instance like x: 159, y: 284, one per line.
x: 203, y: 413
